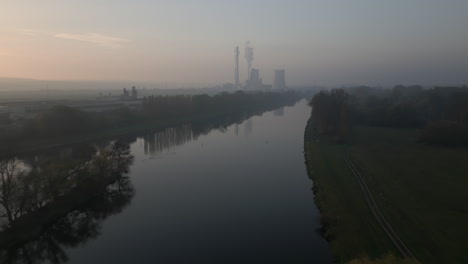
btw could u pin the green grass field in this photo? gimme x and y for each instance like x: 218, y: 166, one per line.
x: 420, y: 189
x: 349, y: 224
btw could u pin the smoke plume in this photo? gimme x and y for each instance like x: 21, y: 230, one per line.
x: 248, y: 54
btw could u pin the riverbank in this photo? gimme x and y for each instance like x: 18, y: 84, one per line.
x: 35, y: 145
x: 348, y: 224
x: 426, y: 210
x: 63, y: 124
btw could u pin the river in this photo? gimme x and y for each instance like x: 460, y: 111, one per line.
x: 224, y: 194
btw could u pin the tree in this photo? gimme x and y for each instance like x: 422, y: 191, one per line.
x: 331, y: 113
x: 10, y: 200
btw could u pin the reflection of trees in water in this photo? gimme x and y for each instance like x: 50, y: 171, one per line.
x: 169, y: 138
x: 76, y: 228
x: 279, y: 112
x: 98, y: 189
x: 248, y: 127
x: 59, y: 200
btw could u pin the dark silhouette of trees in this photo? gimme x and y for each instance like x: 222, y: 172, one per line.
x: 331, y: 114
x: 441, y: 111
x: 62, y: 120
x: 11, y: 198
x: 73, y: 229
x: 167, y: 106
x: 48, y: 214
x: 25, y: 189
x: 183, y: 106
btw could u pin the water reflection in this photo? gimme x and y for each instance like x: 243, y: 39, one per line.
x: 166, y: 139
x: 248, y: 127
x: 63, y: 196
x: 59, y: 198
x: 53, y: 206
x: 279, y: 112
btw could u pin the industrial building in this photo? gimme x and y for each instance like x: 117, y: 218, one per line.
x: 128, y: 96
x: 280, y: 81
x: 254, y: 82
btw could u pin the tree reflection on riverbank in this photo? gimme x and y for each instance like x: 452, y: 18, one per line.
x: 49, y: 206
x: 168, y: 138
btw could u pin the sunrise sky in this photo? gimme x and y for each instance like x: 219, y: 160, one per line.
x: 321, y: 42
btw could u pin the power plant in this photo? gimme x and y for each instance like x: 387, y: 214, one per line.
x: 236, y: 73
x: 280, y: 82
x: 254, y: 82
x: 248, y: 57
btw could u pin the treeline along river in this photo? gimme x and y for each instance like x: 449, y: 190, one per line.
x: 232, y: 190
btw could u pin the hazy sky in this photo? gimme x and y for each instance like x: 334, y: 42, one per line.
x: 325, y: 42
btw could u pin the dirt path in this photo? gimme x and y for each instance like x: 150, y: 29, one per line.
x: 399, y: 244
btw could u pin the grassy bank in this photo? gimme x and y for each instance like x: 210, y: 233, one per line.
x: 348, y: 223
x: 419, y: 188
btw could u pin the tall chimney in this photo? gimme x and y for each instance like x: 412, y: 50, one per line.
x: 236, y: 74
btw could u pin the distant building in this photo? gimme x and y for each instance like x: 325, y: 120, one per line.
x: 254, y: 74
x: 267, y: 87
x: 134, y: 93
x: 280, y: 81
x: 254, y: 82
x: 228, y: 86
x: 126, y: 96
x: 125, y: 93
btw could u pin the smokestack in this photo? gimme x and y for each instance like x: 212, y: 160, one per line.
x: 249, y: 57
x: 236, y: 73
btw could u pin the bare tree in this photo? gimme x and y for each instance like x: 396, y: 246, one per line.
x: 10, y: 174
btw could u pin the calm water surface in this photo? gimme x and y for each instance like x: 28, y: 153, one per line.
x: 240, y: 195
